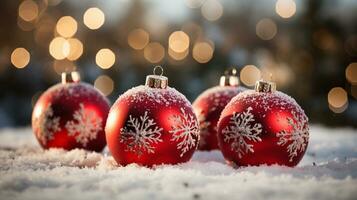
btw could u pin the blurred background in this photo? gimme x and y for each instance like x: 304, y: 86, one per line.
x: 308, y: 46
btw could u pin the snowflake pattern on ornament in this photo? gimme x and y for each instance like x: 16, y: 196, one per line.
x: 203, y: 128
x: 84, y: 126
x: 297, y: 136
x: 184, y: 129
x: 241, y: 131
x: 48, y: 125
x: 144, y: 134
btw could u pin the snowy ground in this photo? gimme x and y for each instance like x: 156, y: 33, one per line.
x: 27, y: 172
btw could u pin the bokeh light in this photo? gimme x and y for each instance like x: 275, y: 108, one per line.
x: 138, y: 39
x: 20, y: 57
x: 249, y: 75
x: 28, y: 10
x: 59, y: 48
x: 105, y: 84
x: 337, y: 99
x: 179, y: 41
x: 176, y: 55
x: 266, y: 29
x: 285, y: 8
x: 351, y: 73
x: 105, y: 58
x: 202, y: 52
x: 154, y: 52
x: 93, y: 18
x: 66, y: 26
x: 212, y: 10
x: 75, y: 49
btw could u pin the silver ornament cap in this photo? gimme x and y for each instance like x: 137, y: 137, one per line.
x: 265, y: 86
x: 230, y: 78
x: 157, y: 80
x: 70, y: 77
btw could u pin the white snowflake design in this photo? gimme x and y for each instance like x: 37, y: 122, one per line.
x: 48, y: 125
x: 140, y: 134
x: 185, y: 129
x: 203, y: 128
x: 241, y: 131
x: 84, y: 126
x: 298, y: 136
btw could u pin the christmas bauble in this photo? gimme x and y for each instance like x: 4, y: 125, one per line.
x: 71, y: 115
x: 152, y: 124
x: 209, y: 105
x: 263, y: 127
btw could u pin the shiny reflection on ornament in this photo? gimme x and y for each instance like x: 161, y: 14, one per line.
x: 266, y: 29
x: 178, y: 56
x: 351, y: 73
x: 212, y: 10
x: 28, y: 10
x: 285, y: 8
x: 104, y: 84
x: 58, y: 48
x: 75, y: 49
x: 249, y: 75
x: 202, y: 52
x: 105, y: 58
x: 179, y: 41
x: 138, y: 39
x: 20, y: 57
x: 194, y: 3
x: 337, y: 99
x: 154, y: 52
x: 66, y: 26
x: 93, y: 18
x: 63, y: 66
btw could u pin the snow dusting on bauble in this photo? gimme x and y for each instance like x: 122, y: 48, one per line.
x: 152, y: 124
x: 209, y: 105
x: 263, y: 126
x: 70, y: 115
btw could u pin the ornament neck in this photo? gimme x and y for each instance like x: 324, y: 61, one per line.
x: 265, y: 86
x: 157, y: 80
x: 229, y: 78
x: 70, y: 77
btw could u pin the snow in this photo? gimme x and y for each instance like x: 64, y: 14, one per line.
x: 28, y: 172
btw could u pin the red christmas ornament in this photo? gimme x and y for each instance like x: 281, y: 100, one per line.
x: 263, y: 127
x: 209, y: 105
x: 151, y: 125
x: 71, y: 115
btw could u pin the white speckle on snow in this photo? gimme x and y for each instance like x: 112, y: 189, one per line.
x: 28, y: 172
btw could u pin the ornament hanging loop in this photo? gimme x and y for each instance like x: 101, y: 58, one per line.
x: 157, y: 80
x: 230, y: 78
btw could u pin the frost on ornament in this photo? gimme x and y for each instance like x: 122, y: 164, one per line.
x: 242, y: 131
x: 84, y: 126
x: 48, y: 125
x: 140, y: 134
x: 298, y: 136
x: 184, y: 129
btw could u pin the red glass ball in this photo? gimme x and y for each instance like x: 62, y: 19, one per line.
x: 259, y: 128
x: 151, y: 126
x: 208, y: 107
x: 69, y: 116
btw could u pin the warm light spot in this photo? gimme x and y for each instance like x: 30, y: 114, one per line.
x: 105, y: 84
x: 176, y: 55
x: 249, y: 75
x: 285, y: 8
x: 59, y: 48
x: 28, y: 10
x: 194, y: 3
x: 63, y: 66
x: 75, y: 49
x: 94, y: 18
x: 20, y: 57
x: 105, y: 58
x: 138, y: 39
x: 66, y: 26
x: 24, y: 25
x: 202, y: 52
x: 154, y: 52
x: 351, y: 73
x: 337, y: 99
x: 266, y: 29
x: 212, y: 10
x: 179, y: 41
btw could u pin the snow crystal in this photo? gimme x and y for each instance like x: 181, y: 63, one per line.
x: 328, y: 171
